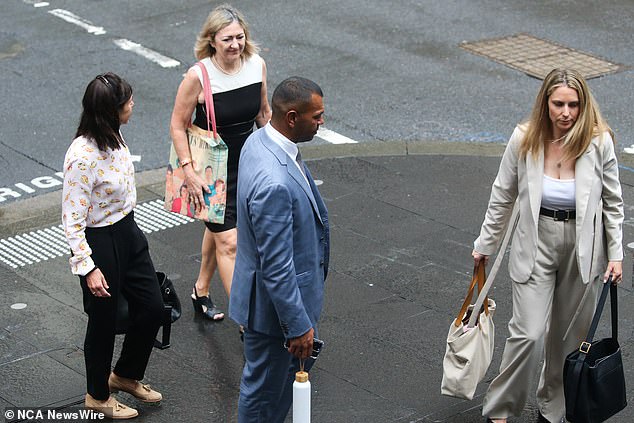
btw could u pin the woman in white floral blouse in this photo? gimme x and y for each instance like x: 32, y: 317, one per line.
x: 109, y: 251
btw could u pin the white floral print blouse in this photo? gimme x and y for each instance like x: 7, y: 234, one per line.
x: 99, y: 190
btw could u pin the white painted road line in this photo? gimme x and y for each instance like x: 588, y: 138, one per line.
x: 333, y: 137
x: 166, y: 62
x: 158, y: 58
x: 80, y: 22
x: 48, y: 182
x: 122, y: 43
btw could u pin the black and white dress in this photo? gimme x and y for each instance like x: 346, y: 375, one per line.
x: 237, y: 101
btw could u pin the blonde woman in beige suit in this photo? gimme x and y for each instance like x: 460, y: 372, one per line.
x: 561, y: 169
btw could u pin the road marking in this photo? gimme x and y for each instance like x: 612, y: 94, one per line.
x: 41, y: 183
x: 49, y: 243
x: 24, y: 188
x: 167, y: 62
x: 6, y: 256
x: 36, y: 3
x: 151, y: 55
x: 333, y: 137
x: 124, y: 44
x: 76, y: 20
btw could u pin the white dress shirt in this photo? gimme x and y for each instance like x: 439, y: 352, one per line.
x: 289, y: 147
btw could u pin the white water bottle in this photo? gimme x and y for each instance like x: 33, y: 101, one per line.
x: 301, y: 398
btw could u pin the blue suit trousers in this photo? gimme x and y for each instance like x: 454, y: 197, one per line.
x: 266, y: 388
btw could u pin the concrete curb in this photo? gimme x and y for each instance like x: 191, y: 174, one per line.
x: 45, y: 210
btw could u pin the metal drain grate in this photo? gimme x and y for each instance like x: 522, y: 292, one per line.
x: 538, y: 57
x: 44, y: 244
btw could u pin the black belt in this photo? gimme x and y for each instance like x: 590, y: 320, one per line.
x: 558, y: 215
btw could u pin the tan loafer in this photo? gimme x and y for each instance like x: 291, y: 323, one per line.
x: 111, y: 408
x: 134, y: 388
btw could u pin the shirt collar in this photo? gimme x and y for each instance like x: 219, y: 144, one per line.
x: 289, y: 147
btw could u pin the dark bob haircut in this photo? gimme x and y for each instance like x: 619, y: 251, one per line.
x: 104, y: 97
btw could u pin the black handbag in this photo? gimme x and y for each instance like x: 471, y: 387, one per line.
x: 171, y: 311
x: 594, y: 383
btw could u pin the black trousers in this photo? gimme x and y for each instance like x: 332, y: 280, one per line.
x: 121, y: 253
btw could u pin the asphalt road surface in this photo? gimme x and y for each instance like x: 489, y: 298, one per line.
x: 391, y: 70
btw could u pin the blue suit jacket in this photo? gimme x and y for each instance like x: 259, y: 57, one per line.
x: 283, y: 243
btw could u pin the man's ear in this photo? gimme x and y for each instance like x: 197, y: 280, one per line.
x: 291, y: 118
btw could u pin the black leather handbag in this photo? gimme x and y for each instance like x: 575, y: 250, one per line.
x: 171, y: 311
x: 594, y: 383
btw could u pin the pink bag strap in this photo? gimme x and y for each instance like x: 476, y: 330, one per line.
x: 209, y: 100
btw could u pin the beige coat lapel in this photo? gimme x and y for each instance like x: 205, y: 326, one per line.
x: 585, y: 182
x: 535, y: 179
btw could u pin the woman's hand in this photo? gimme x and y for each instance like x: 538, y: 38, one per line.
x: 184, y: 106
x: 615, y: 268
x: 97, y: 283
x: 195, y: 188
x: 477, y: 257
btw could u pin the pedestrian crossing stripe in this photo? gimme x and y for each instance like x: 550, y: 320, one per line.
x: 49, y: 243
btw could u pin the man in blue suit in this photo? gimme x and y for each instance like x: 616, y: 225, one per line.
x: 282, y: 256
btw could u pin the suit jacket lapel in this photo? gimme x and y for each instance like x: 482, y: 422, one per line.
x: 535, y: 176
x: 299, y: 178
x: 294, y: 172
x: 584, y: 175
x: 319, y: 202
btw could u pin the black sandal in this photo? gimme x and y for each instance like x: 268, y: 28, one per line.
x: 206, y: 307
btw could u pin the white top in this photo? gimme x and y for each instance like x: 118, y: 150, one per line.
x: 558, y: 194
x: 99, y: 190
x: 250, y: 73
x: 289, y: 147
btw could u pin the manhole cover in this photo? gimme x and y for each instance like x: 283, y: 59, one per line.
x: 538, y: 57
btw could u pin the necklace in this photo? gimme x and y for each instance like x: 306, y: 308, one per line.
x: 557, y: 140
x: 221, y: 69
x: 558, y: 146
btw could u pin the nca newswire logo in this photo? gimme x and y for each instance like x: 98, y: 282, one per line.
x: 67, y: 415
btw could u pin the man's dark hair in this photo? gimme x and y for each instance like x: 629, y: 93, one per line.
x: 293, y: 93
x: 103, y: 99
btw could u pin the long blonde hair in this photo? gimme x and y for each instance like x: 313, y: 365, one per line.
x: 218, y: 19
x: 589, y: 123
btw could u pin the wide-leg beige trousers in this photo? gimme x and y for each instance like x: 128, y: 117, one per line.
x: 543, y: 308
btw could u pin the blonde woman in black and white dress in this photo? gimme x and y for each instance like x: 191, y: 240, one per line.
x: 237, y: 75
